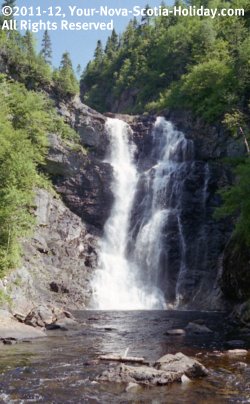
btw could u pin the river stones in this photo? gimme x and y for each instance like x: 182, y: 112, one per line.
x: 13, y: 330
x: 168, y: 369
x: 45, y: 316
x: 194, y: 328
x: 176, y: 332
x: 181, y: 364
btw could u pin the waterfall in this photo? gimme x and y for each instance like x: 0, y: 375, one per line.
x: 145, y: 259
x: 159, y: 243
x: 116, y: 284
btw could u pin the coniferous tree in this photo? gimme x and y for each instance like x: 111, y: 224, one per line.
x: 78, y: 70
x: 65, y: 80
x: 112, y: 44
x: 29, y: 46
x: 98, y: 54
x: 46, y: 51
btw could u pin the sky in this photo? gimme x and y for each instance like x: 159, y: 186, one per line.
x: 81, y: 44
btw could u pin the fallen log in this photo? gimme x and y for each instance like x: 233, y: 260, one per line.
x: 120, y: 358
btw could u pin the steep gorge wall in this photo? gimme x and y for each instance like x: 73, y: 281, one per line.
x: 61, y: 256
x: 205, y: 237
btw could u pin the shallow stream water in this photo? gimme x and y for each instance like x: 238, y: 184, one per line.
x: 62, y: 367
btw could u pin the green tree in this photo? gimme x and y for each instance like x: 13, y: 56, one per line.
x: 65, y: 80
x: 98, y: 54
x: 46, y: 51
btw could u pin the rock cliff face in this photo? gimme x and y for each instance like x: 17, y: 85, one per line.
x: 61, y: 256
x: 205, y: 237
x: 57, y: 259
x: 83, y: 181
x: 235, y: 281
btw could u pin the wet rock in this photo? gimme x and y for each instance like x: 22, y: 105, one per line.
x: 181, y: 364
x: 240, y: 365
x: 133, y: 388
x: 168, y: 369
x: 139, y: 375
x: 12, y: 330
x: 235, y: 279
x: 237, y: 352
x: 9, y: 341
x: 20, y: 317
x: 40, y: 316
x: 54, y: 326
x: 185, y: 379
x: 194, y: 328
x: 199, y: 321
x: 176, y: 332
x: 50, y: 317
x: 66, y: 323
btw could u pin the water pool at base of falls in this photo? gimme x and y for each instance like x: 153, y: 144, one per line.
x: 62, y: 368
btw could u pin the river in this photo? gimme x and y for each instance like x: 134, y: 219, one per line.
x: 62, y: 367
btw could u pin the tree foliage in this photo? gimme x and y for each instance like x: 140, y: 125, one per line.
x: 66, y: 83
x: 198, y: 63
x: 26, y: 118
x: 46, y: 50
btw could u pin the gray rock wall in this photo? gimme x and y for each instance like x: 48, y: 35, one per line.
x: 58, y: 259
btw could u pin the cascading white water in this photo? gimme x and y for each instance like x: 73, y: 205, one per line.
x: 144, y: 259
x: 116, y: 284
x: 172, y: 151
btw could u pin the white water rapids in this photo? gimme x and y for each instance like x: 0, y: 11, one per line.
x: 131, y: 282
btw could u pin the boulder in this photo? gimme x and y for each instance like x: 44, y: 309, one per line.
x: 50, y: 317
x: 181, y: 364
x: 141, y: 375
x: 11, y: 329
x: 168, y: 369
x: 194, y: 328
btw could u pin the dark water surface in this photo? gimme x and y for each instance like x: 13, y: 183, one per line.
x: 60, y: 368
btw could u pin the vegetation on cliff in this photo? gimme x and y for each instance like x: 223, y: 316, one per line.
x: 20, y: 60
x: 198, y: 63
x: 26, y: 118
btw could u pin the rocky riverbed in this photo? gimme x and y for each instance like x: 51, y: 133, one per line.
x: 65, y: 366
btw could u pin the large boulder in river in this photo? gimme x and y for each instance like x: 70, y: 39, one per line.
x: 139, y: 374
x: 181, y: 364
